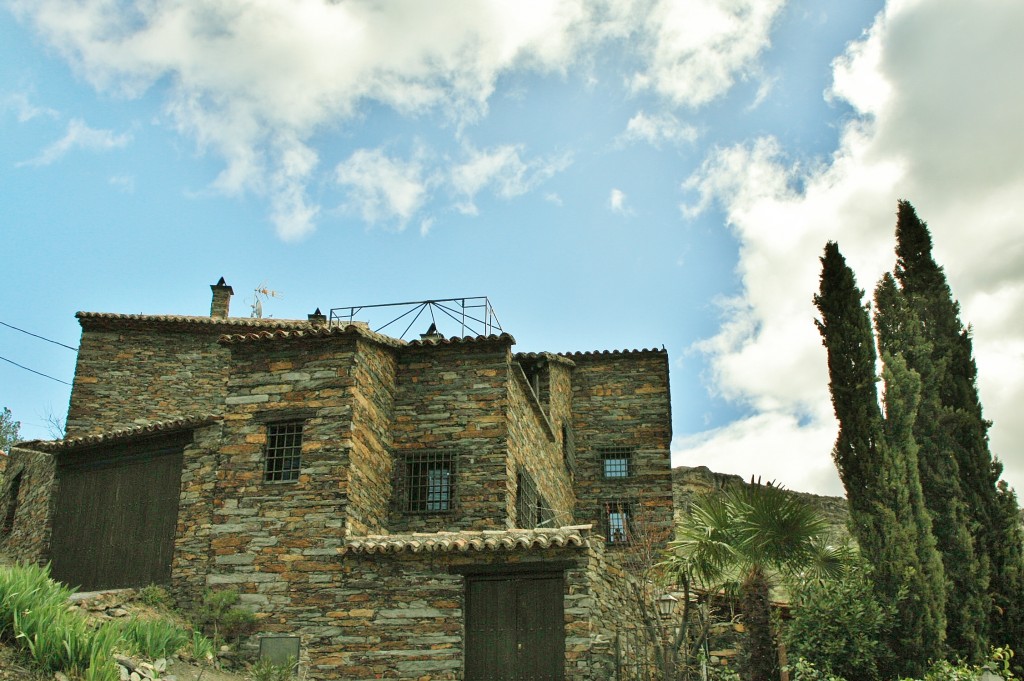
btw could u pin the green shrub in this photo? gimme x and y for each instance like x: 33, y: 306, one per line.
x: 265, y: 670
x: 998, y: 662
x: 34, y: 615
x: 154, y: 638
x: 221, y: 618
x: 155, y: 596
x: 201, y: 648
x: 838, y: 627
x: 804, y: 670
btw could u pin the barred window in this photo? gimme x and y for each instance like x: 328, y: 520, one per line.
x: 284, y: 452
x: 616, y: 516
x: 428, y: 481
x: 528, y: 503
x: 617, y: 461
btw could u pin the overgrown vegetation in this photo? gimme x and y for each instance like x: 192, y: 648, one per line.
x: 266, y: 670
x: 220, y: 617
x: 8, y: 430
x: 739, y: 540
x: 926, y: 504
x: 35, y: 619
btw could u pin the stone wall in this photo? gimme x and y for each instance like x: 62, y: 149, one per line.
x: 402, y: 615
x: 370, y: 460
x: 621, y: 399
x: 194, y: 553
x: 29, y: 540
x: 534, y: 446
x: 135, y: 372
x: 274, y: 541
x: 454, y: 395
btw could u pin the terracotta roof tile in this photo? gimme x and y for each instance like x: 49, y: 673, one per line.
x: 596, y: 353
x: 194, y: 320
x: 114, y: 436
x: 466, y: 541
x: 455, y: 340
x: 550, y: 356
x: 309, y: 331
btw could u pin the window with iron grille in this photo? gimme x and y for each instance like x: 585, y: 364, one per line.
x: 616, y: 516
x: 284, y: 452
x: 527, y: 501
x: 427, y: 481
x: 617, y: 462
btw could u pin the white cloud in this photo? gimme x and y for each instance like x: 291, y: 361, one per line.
x: 25, y: 110
x: 617, y: 201
x: 123, y: 183
x: 254, y: 82
x: 658, y: 129
x: 382, y: 189
x: 697, y: 49
x: 79, y: 136
x: 929, y: 129
x: 503, y: 170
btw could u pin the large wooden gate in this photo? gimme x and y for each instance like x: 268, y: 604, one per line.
x: 515, y: 627
x: 115, y: 515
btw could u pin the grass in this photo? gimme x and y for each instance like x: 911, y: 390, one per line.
x: 36, y: 619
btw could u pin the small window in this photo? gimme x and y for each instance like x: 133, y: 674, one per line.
x: 528, y: 503
x: 568, y: 449
x: 429, y: 479
x: 12, y: 506
x: 616, y: 516
x: 284, y: 452
x: 617, y: 462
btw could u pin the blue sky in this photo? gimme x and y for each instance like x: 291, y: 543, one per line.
x: 616, y: 174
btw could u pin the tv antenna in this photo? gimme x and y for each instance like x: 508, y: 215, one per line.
x: 259, y: 294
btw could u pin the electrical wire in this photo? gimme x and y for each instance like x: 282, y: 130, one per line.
x: 11, y: 326
x: 34, y: 371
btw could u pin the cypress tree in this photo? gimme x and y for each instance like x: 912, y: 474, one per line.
x: 957, y: 429
x: 877, y: 461
x: 901, y: 338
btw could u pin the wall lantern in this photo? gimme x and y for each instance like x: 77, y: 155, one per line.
x: 667, y: 604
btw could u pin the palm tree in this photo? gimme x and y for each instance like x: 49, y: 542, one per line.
x: 749, y: 534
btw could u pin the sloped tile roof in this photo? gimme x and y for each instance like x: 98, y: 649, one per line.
x: 309, y: 331
x: 597, y: 353
x: 195, y: 320
x: 455, y: 340
x: 467, y: 541
x: 115, y: 436
x: 550, y: 356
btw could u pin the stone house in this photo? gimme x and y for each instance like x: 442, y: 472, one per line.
x: 443, y: 508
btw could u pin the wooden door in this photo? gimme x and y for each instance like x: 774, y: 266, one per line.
x: 515, y: 627
x: 115, y: 517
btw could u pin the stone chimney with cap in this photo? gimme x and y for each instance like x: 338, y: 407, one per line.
x: 221, y: 299
x: 318, y: 318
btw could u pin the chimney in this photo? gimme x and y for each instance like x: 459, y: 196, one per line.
x: 221, y: 299
x: 318, y: 318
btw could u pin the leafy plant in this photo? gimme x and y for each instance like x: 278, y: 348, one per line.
x: 839, y: 625
x: 154, y: 638
x: 155, y: 596
x: 201, y: 648
x: 34, y: 615
x: 805, y: 670
x: 267, y: 670
x: 221, y: 618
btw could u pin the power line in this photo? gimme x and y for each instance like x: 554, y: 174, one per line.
x: 38, y: 336
x: 34, y: 371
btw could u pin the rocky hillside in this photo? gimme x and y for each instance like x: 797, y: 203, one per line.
x: 688, y: 481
